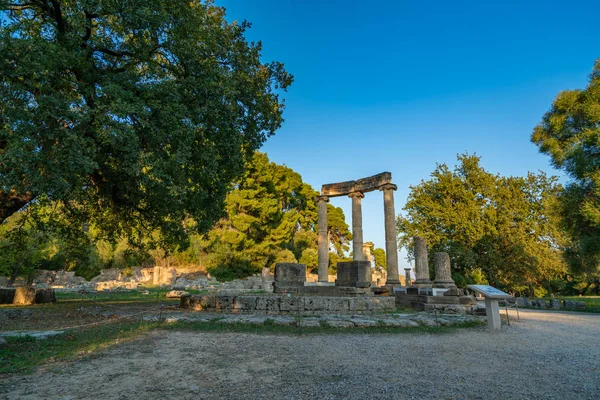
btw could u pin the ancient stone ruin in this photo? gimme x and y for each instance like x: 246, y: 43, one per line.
x: 356, y: 191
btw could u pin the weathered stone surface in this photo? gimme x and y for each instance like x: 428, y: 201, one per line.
x: 443, y: 275
x: 287, y: 304
x: 540, y: 303
x: 421, y: 265
x: 523, y: 302
x: 554, y: 304
x: 45, y: 296
x: 391, y: 234
x: 176, y: 294
x: 354, y: 274
x: 322, y: 239
x: 289, y: 276
x: 7, y: 295
x: 24, y: 295
x: 574, y: 305
x: 360, y: 185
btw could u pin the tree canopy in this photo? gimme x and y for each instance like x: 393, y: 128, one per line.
x: 133, y: 115
x: 271, y: 216
x: 570, y: 134
x: 505, y: 227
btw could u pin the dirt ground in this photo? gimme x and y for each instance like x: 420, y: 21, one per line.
x: 547, y: 355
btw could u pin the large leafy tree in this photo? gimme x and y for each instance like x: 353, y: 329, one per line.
x: 271, y: 217
x: 506, y: 227
x: 570, y: 134
x: 131, y: 114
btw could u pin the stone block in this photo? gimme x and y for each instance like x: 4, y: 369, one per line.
x: 354, y: 274
x: 244, y: 303
x: 7, y: 295
x: 540, y: 303
x: 45, y: 296
x: 291, y: 304
x: 555, y: 304
x: 223, y: 303
x: 272, y: 305
x: 175, y: 294
x: 24, y: 296
x: 289, y: 277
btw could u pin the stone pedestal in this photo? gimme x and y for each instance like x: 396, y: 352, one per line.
x: 391, y: 245
x: 492, y: 311
x: 289, y: 277
x: 323, y: 240
x: 354, y: 274
x: 443, y: 275
x: 407, y: 276
x: 357, y: 232
x: 421, y: 265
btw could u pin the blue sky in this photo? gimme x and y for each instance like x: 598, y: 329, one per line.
x: 400, y: 86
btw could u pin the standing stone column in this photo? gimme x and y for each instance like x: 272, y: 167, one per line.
x: 443, y: 275
x: 367, y: 253
x: 421, y: 266
x: 357, y: 232
x: 391, y: 245
x: 323, y: 240
x: 407, y: 276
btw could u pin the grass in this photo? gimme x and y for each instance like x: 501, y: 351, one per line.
x: 23, y: 355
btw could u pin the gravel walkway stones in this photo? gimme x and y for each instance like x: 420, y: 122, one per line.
x: 547, y: 355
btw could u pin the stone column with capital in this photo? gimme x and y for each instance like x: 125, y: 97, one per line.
x: 421, y: 265
x: 323, y: 240
x: 443, y: 275
x: 357, y: 232
x: 391, y: 245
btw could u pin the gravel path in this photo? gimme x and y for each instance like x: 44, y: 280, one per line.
x: 548, y: 355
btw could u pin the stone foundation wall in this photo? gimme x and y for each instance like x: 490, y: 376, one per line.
x: 292, y: 305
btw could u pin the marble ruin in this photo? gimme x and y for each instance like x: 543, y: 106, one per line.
x: 356, y: 191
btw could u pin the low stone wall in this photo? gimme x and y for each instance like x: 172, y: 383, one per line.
x: 288, y: 304
x: 554, y: 304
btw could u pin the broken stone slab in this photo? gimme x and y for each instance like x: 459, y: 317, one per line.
x: 176, y: 294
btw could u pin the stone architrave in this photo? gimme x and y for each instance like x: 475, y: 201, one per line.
x: 391, y: 246
x: 323, y: 241
x: 357, y: 232
x: 421, y: 265
x: 443, y: 275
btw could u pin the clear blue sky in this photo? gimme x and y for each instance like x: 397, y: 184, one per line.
x: 400, y: 86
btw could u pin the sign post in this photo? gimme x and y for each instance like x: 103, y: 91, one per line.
x: 492, y: 309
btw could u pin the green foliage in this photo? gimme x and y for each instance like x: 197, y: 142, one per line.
x: 501, y: 229
x: 570, y: 134
x: 133, y: 115
x: 21, y: 249
x: 337, y: 230
x: 310, y: 257
x: 271, y: 217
